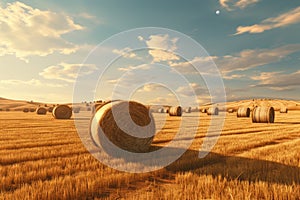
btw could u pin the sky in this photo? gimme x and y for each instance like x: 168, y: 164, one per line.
x: 47, y: 49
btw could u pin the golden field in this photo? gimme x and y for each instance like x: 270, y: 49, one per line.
x: 44, y: 158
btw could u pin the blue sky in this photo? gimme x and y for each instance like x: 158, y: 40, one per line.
x: 254, y: 44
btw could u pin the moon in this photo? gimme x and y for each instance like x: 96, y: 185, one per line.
x: 218, y: 12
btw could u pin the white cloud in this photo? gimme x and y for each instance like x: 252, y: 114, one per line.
x: 30, y: 31
x: 132, y: 68
x: 161, y: 47
x: 285, y: 19
x: 277, y: 80
x: 191, y: 90
x: 233, y: 4
x: 67, y: 72
x: 244, y: 60
x: 248, y: 59
x: 126, y: 52
x: 31, y: 83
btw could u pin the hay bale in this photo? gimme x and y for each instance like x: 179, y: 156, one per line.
x: 160, y: 110
x: 175, y: 111
x: 213, y: 111
x: 188, y: 110
x: 76, y: 109
x: 41, y: 111
x: 104, y: 123
x: 7, y: 109
x: 62, y: 112
x: 32, y: 110
x: 204, y: 110
x: 95, y: 107
x: 243, y: 112
x: 50, y: 109
x: 25, y: 110
x: 263, y: 115
x: 230, y: 110
x: 283, y: 110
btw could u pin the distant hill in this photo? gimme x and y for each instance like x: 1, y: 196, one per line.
x: 19, y: 105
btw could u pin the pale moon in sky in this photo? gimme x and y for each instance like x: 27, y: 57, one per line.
x: 218, y: 12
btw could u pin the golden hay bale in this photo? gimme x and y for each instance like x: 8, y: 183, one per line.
x: 25, y: 110
x: 76, y: 109
x: 213, y: 111
x: 188, y: 110
x: 204, y: 110
x: 160, y: 110
x: 62, y: 112
x: 263, y: 115
x: 175, y: 111
x: 139, y: 123
x: 32, y: 110
x: 50, y: 109
x: 243, y: 112
x: 41, y: 111
x: 283, y: 110
x: 230, y: 110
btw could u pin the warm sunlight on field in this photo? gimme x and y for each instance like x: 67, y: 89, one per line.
x: 43, y: 158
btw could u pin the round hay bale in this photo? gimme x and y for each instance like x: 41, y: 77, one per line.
x: 230, y: 110
x: 160, y: 110
x: 204, y: 110
x: 283, y: 110
x: 76, y: 109
x: 32, y: 109
x: 243, y: 112
x: 188, y: 110
x: 25, y: 110
x: 263, y: 115
x: 50, y: 109
x: 213, y: 111
x: 41, y: 111
x: 62, y: 112
x: 140, y: 122
x: 175, y: 111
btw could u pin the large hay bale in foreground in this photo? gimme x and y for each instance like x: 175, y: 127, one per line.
x: 175, y: 111
x: 283, y: 110
x: 140, y: 123
x: 62, y: 112
x: 243, y: 112
x: 25, y: 110
x: 263, y: 115
x: 213, y: 111
x: 41, y: 111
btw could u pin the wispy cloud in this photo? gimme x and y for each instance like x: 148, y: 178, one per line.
x: 285, y: 19
x: 233, y: 4
x: 31, y: 83
x: 244, y: 60
x: 277, y: 80
x: 67, y: 72
x: 30, y: 31
x: 161, y: 47
x: 126, y: 52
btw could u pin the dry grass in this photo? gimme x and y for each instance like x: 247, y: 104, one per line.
x: 43, y: 158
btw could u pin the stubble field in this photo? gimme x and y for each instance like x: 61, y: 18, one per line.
x: 44, y: 158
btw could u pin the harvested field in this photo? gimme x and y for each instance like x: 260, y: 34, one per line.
x: 43, y: 158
